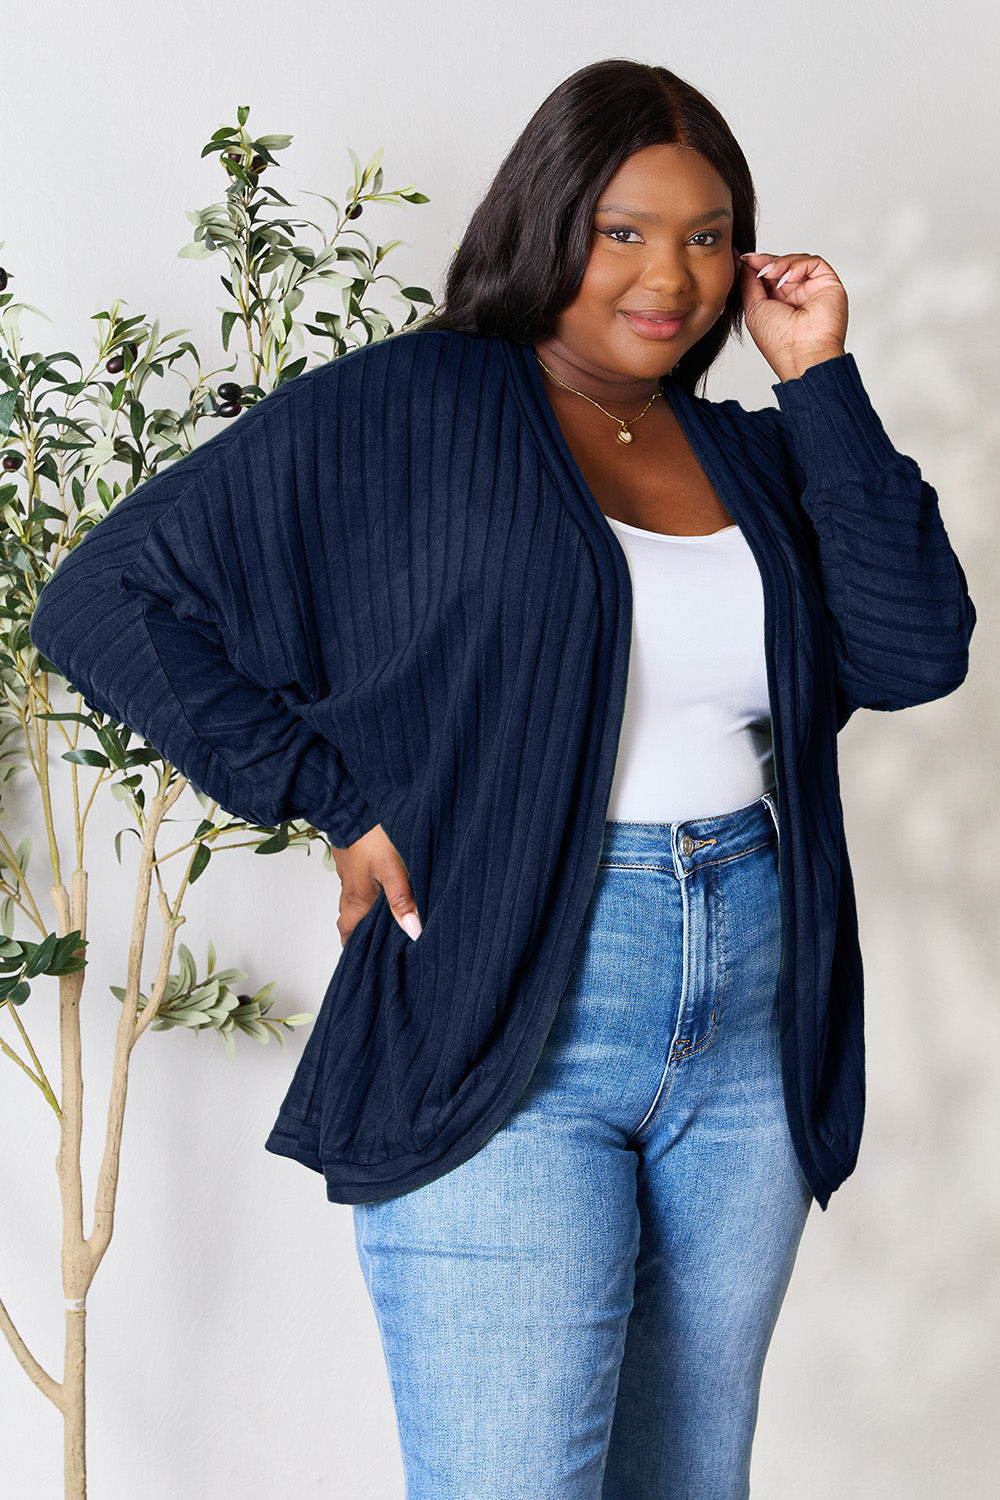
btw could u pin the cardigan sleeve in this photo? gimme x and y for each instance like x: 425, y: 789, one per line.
x: 897, y: 595
x: 157, y: 618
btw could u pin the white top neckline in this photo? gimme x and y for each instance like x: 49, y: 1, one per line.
x: 671, y: 536
x: 695, y: 738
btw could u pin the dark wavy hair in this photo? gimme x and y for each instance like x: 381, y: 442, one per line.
x: 523, y: 255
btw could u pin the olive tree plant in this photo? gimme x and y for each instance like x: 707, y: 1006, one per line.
x: 74, y: 440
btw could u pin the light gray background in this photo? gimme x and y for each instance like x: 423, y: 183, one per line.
x: 233, y: 1351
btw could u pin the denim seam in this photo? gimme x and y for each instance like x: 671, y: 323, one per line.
x: 683, y: 1047
x: 610, y: 864
x: 667, y: 1075
x: 725, y: 859
x: 703, y: 864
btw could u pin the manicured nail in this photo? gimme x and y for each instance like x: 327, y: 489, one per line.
x: 411, y: 924
x: 783, y: 279
x: 764, y: 269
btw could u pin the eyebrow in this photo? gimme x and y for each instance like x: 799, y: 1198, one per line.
x: 637, y: 213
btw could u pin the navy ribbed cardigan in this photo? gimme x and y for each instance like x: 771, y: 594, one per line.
x: 386, y: 594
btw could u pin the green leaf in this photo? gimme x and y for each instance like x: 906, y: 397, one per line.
x: 228, y: 319
x: 195, y: 251
x: 201, y: 858
x: 227, y: 977
x: 254, y: 1029
x: 112, y: 745
x: 40, y: 959
x: 276, y: 843
x: 87, y: 758
x: 78, y: 718
x: 65, y: 953
x: 118, y: 840
x: 46, y: 513
x: 7, y: 403
x: 188, y: 973
x: 290, y: 371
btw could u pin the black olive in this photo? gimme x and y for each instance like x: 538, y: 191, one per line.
x: 115, y: 365
x: 258, y: 164
x: 3, y: 279
x: 354, y: 211
x: 230, y: 408
x: 230, y: 391
x: 12, y: 460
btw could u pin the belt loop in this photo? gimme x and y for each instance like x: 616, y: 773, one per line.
x: 772, y: 806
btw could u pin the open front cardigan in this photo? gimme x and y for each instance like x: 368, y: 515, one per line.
x: 386, y: 594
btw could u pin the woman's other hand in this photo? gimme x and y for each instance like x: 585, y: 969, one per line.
x: 372, y: 863
x: 795, y: 307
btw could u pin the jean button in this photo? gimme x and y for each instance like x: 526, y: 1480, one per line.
x: 687, y: 845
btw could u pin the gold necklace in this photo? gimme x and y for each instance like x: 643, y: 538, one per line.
x: 624, y: 428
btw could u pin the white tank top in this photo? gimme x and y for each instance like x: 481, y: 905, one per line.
x: 696, y: 733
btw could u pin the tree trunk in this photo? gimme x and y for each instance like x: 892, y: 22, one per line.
x: 77, y: 1261
x: 74, y: 1405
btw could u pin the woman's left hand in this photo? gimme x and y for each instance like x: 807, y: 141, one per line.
x: 795, y: 307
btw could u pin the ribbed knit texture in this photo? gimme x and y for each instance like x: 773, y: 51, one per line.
x: 387, y: 595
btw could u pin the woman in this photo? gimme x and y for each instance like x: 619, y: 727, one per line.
x: 556, y: 652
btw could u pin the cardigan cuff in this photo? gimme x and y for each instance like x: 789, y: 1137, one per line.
x: 832, y: 425
x: 324, y: 794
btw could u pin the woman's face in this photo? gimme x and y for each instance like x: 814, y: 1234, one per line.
x: 661, y: 243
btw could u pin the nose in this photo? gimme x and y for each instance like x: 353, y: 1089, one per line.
x: 667, y: 270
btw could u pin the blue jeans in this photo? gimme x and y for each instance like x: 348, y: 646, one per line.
x: 582, y: 1310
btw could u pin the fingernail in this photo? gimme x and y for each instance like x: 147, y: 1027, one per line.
x: 769, y: 267
x: 783, y: 279
x: 411, y: 924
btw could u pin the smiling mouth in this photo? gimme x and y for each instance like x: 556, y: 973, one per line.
x: 656, y: 314
x: 651, y: 323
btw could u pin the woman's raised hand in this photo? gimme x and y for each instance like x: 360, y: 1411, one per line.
x: 372, y: 863
x: 795, y: 307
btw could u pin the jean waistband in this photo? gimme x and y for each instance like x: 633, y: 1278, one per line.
x: 686, y: 845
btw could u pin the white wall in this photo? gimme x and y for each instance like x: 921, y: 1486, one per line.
x: 232, y: 1348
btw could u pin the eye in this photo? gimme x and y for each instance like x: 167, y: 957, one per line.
x: 617, y: 229
x: 715, y: 236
